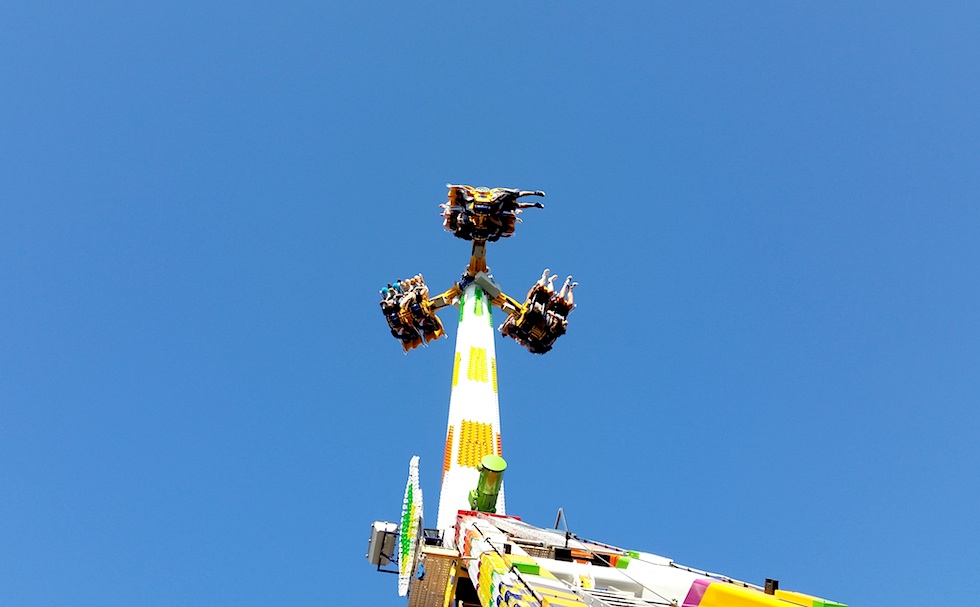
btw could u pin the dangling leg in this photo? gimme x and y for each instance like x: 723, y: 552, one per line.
x: 571, y: 298
x: 564, y: 288
x: 544, y: 278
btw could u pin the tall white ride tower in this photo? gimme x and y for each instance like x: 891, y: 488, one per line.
x: 474, y: 417
x: 477, y: 555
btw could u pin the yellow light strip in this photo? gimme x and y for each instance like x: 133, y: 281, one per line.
x: 456, y: 370
x: 493, y: 373
x: 476, y: 370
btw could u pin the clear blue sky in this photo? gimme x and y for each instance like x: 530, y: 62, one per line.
x: 771, y: 208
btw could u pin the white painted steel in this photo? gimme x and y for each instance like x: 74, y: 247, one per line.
x: 471, y: 400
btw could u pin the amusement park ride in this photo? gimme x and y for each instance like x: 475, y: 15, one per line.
x: 477, y: 555
x: 481, y: 215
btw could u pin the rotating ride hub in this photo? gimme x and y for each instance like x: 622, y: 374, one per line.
x: 481, y: 215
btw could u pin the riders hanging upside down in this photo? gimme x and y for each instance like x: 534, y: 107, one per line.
x: 481, y: 215
x: 484, y: 214
x: 408, y: 312
x: 543, y: 317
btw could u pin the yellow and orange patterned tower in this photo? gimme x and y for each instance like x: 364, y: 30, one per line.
x: 474, y: 417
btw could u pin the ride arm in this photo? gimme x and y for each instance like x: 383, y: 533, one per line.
x: 445, y: 298
x: 507, y: 304
x: 478, y: 259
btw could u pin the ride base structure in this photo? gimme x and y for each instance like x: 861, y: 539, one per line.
x: 477, y: 555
